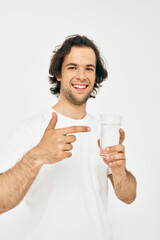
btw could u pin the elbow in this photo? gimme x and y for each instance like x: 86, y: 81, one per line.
x: 132, y: 196
x: 127, y: 198
x: 3, y: 209
x: 130, y: 200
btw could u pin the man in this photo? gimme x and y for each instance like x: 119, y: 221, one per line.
x: 66, y: 192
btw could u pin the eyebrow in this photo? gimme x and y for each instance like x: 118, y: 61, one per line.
x: 74, y: 64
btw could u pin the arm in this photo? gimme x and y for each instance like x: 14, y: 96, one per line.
x: 124, y: 183
x: 15, y: 183
x: 124, y: 186
x: 54, y: 146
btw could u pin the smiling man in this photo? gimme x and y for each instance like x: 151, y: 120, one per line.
x: 78, y: 71
x: 54, y: 157
x: 77, y: 79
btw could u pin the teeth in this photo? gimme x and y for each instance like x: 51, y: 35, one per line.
x: 79, y: 86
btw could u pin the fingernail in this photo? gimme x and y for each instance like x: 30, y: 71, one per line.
x: 88, y: 129
x: 107, y: 149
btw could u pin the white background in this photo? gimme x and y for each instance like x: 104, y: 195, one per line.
x: 128, y: 35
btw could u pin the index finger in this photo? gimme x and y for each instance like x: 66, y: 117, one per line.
x: 115, y: 148
x: 73, y: 129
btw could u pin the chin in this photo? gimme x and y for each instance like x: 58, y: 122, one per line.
x: 77, y: 101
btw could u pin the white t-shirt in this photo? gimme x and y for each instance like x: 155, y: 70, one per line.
x: 68, y: 200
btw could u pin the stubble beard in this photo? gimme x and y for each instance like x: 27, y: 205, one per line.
x: 73, y: 99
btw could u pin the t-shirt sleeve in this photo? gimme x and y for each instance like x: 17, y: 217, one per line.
x: 20, y: 141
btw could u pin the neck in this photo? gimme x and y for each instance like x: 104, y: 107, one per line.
x: 70, y: 110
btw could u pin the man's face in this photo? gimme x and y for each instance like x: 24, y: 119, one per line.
x: 78, y: 75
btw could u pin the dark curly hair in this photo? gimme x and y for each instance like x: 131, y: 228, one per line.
x: 62, y: 50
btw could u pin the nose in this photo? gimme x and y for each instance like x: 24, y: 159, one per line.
x: 81, y: 73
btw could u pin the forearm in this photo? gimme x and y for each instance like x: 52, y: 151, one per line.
x: 15, y: 183
x: 125, y: 186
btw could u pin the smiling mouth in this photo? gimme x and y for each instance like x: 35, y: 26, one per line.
x: 79, y: 87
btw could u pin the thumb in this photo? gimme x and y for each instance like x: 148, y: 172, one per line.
x: 53, y: 121
x: 98, y: 141
x: 122, y: 136
x: 99, y: 145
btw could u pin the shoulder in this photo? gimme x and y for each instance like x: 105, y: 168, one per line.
x: 38, y: 122
x: 40, y: 118
x: 23, y: 136
x: 32, y: 128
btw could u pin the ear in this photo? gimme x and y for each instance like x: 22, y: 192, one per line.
x: 59, y: 78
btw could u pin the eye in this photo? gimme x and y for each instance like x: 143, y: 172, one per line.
x: 90, y: 69
x: 73, y: 68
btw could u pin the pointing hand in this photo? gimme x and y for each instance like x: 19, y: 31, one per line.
x: 56, y: 144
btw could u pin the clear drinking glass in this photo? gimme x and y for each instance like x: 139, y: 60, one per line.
x: 110, y: 125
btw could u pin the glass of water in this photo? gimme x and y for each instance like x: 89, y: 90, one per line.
x: 110, y: 125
